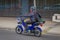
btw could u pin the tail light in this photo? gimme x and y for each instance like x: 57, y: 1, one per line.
x: 41, y: 25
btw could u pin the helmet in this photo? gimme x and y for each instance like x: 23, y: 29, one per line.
x: 32, y: 8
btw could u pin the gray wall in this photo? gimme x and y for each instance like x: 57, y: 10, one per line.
x: 10, y: 12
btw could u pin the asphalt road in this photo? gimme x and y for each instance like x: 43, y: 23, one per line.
x: 11, y: 35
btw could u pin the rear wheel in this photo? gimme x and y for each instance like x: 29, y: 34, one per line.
x: 37, y: 32
x: 18, y: 30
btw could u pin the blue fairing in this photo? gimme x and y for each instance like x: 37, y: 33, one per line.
x: 23, y: 23
x: 30, y: 28
x: 20, y: 27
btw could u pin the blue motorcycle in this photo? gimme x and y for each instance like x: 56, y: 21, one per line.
x: 24, y: 27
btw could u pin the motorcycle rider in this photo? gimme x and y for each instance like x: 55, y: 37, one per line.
x: 36, y: 15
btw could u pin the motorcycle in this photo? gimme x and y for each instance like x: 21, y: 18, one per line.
x: 23, y: 27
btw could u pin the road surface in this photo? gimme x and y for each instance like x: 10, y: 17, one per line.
x: 11, y: 35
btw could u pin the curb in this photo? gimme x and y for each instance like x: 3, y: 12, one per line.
x: 8, y: 29
x: 13, y: 30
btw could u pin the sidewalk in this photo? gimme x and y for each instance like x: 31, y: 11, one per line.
x: 8, y: 22
x: 55, y: 29
x: 11, y: 23
x: 48, y: 26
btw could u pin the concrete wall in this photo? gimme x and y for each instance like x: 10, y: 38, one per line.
x: 8, y: 22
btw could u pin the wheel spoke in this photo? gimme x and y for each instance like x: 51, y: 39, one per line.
x: 37, y: 32
x: 18, y: 30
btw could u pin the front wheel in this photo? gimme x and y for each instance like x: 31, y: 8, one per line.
x: 37, y: 32
x: 18, y: 30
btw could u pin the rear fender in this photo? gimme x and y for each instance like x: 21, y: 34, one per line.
x: 39, y: 29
